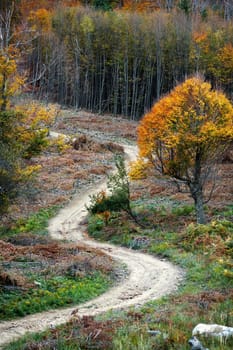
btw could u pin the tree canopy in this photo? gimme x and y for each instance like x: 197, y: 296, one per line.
x: 185, y: 133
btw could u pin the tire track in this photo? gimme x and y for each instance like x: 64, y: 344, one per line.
x: 148, y: 277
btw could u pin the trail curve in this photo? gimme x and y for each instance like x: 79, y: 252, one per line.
x: 148, y: 277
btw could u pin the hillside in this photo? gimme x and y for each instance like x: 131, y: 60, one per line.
x: 155, y: 200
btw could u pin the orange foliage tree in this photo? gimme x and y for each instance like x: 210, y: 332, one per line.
x: 185, y: 133
x: 139, y: 6
x: 225, y: 65
x: 10, y: 80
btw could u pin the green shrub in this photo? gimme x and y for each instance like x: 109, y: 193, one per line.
x: 95, y: 225
x: 214, y: 237
x: 162, y: 249
x: 36, y: 223
x: 9, y: 161
x: 228, y: 212
x: 183, y: 211
x: 115, y: 202
x: 132, y: 337
x: 119, y: 197
x: 38, y: 142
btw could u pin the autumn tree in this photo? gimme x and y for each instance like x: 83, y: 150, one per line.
x: 185, y: 133
x: 223, y: 67
x: 10, y: 80
x: 23, y: 131
x: 9, y: 159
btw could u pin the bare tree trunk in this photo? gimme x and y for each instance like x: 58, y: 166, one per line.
x: 6, y: 26
x: 195, y: 184
x: 102, y: 82
x: 116, y: 88
x: 228, y: 10
x: 199, y: 205
x: 134, y: 92
x: 126, y: 83
x: 77, y: 73
x: 3, y: 93
x: 159, y: 66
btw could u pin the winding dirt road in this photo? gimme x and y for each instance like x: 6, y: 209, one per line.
x: 148, y: 277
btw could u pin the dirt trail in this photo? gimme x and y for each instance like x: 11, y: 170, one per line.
x: 148, y: 277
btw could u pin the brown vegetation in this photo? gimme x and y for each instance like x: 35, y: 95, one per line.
x: 73, y: 122
x: 86, y: 331
x: 72, y: 259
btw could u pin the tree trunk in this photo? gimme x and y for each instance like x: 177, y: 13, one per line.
x: 3, y: 93
x: 196, y: 188
x: 199, y: 206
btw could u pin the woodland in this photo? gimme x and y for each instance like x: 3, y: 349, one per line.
x: 102, y: 74
x: 120, y: 61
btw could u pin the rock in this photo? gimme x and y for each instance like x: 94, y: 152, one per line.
x: 196, y: 344
x: 139, y: 242
x: 154, y: 333
x: 214, y: 330
x: 56, y: 135
x: 37, y: 283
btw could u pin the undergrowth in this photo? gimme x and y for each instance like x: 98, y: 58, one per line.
x: 55, y: 292
x: 36, y: 223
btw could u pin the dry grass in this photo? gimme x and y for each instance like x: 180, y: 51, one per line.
x: 90, y: 123
x: 75, y: 259
x: 61, y: 176
x: 160, y: 186
x: 85, y: 331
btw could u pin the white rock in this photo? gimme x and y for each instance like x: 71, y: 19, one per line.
x: 214, y: 330
x: 56, y: 135
x: 37, y: 283
x: 153, y: 332
x: 196, y: 344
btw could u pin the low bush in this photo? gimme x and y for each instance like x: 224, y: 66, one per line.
x: 183, y: 211
x: 133, y: 337
x: 214, y: 238
x: 58, y: 291
x: 36, y: 223
x: 101, y: 202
